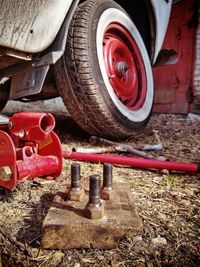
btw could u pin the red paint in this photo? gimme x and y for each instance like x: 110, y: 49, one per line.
x: 36, y: 126
x: 173, y: 83
x: 37, y: 166
x: 133, y: 162
x: 124, y: 65
x: 30, y: 148
x: 42, y: 156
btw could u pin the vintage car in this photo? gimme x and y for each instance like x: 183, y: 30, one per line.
x: 96, y: 54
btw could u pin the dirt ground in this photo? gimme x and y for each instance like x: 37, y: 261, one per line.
x: 167, y: 202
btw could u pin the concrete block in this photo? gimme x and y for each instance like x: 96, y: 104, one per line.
x: 195, y: 83
x: 197, y: 73
x: 197, y: 64
x: 67, y: 227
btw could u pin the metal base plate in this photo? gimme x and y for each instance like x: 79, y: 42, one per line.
x: 65, y: 226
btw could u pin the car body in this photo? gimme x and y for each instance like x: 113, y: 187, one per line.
x: 33, y: 36
x: 31, y: 26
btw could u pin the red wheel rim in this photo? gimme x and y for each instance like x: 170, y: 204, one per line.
x: 125, y: 67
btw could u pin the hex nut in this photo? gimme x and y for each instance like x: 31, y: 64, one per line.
x: 108, y: 194
x: 5, y: 173
x: 76, y: 194
x: 94, y: 212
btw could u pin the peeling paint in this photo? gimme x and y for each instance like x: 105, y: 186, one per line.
x: 31, y: 25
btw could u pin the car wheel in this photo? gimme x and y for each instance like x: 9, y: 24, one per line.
x: 105, y: 76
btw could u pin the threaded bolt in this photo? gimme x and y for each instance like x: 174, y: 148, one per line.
x: 94, y: 190
x: 76, y: 193
x: 75, y: 176
x: 107, y: 175
x: 107, y: 192
x: 94, y: 208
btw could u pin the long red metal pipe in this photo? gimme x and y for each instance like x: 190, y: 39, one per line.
x: 134, y: 162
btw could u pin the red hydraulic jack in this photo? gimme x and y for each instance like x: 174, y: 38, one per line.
x: 28, y: 148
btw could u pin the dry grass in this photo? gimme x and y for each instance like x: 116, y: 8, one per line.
x: 167, y: 202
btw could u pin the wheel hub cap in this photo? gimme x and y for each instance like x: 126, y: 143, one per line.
x: 124, y: 66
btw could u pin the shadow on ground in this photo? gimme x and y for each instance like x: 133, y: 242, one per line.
x: 31, y: 231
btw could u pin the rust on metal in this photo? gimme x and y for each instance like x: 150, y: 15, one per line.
x: 66, y: 227
x: 107, y: 192
x: 76, y: 193
x: 95, y: 208
x: 5, y: 173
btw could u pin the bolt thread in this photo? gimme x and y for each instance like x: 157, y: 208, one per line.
x: 94, y: 189
x: 75, y: 176
x: 107, y: 175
